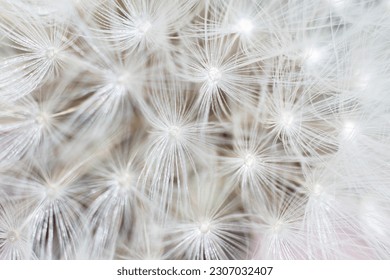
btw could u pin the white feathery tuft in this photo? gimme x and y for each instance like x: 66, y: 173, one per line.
x: 224, y: 129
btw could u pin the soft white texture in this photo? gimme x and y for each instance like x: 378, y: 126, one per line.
x: 194, y: 129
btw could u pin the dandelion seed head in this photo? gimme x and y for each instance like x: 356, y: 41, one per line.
x: 205, y: 227
x: 12, y: 236
x: 287, y: 120
x: 244, y: 26
x: 42, y: 119
x: 52, y: 191
x: 277, y: 227
x: 249, y: 160
x: 174, y: 132
x: 284, y: 131
x: 317, y: 190
x: 214, y: 75
x: 313, y: 56
x: 123, y: 78
x: 143, y: 27
x: 123, y: 180
x: 349, y: 130
x: 52, y: 53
